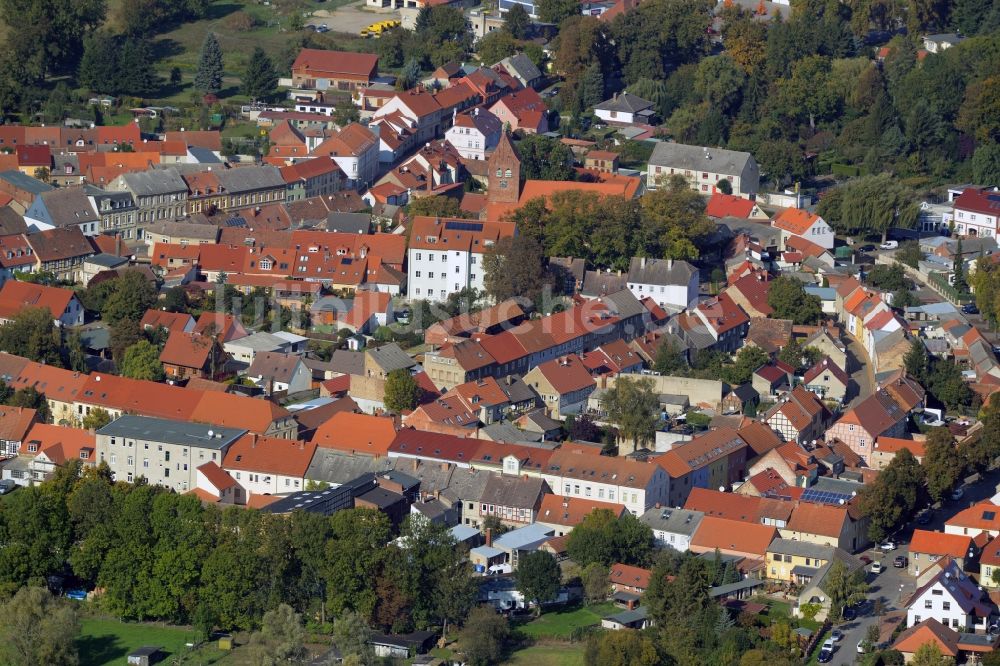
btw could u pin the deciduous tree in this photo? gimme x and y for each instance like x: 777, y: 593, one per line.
x: 537, y: 578
x: 633, y: 406
x: 484, y: 637
x: 788, y: 297
x: 142, y: 361
x: 38, y: 629
x: 402, y: 393
x: 943, y: 466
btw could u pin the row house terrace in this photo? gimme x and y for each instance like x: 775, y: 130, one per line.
x: 583, y: 327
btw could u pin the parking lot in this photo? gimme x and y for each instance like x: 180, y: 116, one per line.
x: 350, y: 18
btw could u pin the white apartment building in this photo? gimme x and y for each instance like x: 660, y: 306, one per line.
x: 672, y: 284
x: 446, y: 255
x: 703, y: 168
x: 639, y: 486
x: 474, y: 133
x: 165, y: 452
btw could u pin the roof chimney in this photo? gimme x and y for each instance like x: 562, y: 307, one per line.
x: 489, y: 536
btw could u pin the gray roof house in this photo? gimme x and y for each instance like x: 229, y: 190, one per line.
x: 64, y: 207
x: 250, y: 179
x: 352, y: 223
x: 672, y: 528
x: 522, y: 68
x: 703, y: 167
x: 671, y: 283
x: 152, y: 182
x: 625, y: 108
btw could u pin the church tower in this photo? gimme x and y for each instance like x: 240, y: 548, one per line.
x: 504, y: 173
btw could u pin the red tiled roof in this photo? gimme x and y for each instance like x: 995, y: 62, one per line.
x: 356, y: 433
x: 728, y: 205
x: 284, y: 457
x: 624, y: 574
x: 795, y: 220
x: 939, y: 543
x: 570, y: 511
x: 18, y: 295
x: 217, y: 476
x: 338, y: 64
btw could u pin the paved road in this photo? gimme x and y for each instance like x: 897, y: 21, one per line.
x: 861, y: 370
x: 893, y: 585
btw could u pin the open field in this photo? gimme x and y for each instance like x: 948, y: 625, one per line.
x: 107, y: 642
x: 549, y: 654
x: 562, y: 623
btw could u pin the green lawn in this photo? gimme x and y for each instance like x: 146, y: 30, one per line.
x: 109, y: 641
x: 562, y: 623
x: 569, y: 654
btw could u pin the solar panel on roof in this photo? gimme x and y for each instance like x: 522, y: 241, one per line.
x: 236, y: 222
x: 463, y: 226
x: 824, y: 497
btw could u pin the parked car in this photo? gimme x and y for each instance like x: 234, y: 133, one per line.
x: 849, y: 614
x: 836, y: 635
x: 865, y: 559
x: 877, y: 567
x: 900, y: 562
x: 887, y: 545
x: 889, y: 245
x: 828, y: 644
x: 957, y: 494
x: 6, y: 486
x: 924, y: 518
x: 970, y: 308
x: 861, y: 646
x: 866, y: 248
x: 825, y: 656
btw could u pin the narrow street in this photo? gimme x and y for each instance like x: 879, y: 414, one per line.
x: 860, y: 369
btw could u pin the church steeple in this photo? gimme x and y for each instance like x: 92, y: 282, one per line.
x: 504, y: 173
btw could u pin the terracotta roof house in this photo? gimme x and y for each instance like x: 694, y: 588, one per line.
x: 773, y: 379
x: 977, y: 519
x: 733, y: 537
x: 172, y: 321
x: 799, y: 416
x: 15, y: 422
x: 886, y: 448
x: 710, y: 460
x: 214, y: 485
x: 927, y: 632
x: 254, y: 414
x: 62, y: 304
x: 225, y: 327
x: 637, y: 485
x: 626, y: 578
x: 356, y: 433
x: 188, y: 355
x: 882, y: 414
x: 563, y: 384
x: 727, y: 205
x: 267, y: 465
x: 565, y: 513
x: 798, y: 222
x: 52, y: 446
x: 927, y: 547
x: 321, y: 70
x: 769, y: 334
